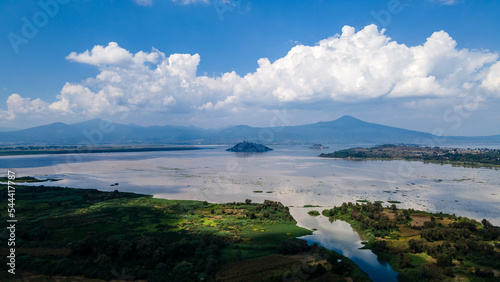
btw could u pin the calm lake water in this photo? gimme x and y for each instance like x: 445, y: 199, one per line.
x: 342, y: 238
x: 292, y: 175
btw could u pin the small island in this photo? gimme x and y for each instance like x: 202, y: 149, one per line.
x: 318, y: 147
x: 248, y: 147
x: 480, y: 157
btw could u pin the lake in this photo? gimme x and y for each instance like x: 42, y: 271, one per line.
x: 342, y: 238
x: 292, y: 175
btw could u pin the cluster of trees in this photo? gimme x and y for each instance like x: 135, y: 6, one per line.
x: 489, y: 157
x: 485, y: 156
x: 368, y: 216
x: 461, y: 240
x: 267, y: 211
x: 147, y: 257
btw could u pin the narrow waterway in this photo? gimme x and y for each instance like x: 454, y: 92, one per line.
x: 342, y: 238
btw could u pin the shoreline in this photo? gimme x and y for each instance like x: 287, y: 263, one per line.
x: 100, y: 149
x: 452, y: 163
x: 474, y: 158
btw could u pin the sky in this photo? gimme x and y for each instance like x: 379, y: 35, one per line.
x: 427, y: 65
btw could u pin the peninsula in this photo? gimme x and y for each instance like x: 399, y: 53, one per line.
x: 480, y: 157
x: 81, y: 234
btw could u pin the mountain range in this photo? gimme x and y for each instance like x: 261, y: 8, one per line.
x: 345, y: 130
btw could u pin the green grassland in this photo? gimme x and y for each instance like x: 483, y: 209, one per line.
x: 81, y: 234
x: 423, y: 246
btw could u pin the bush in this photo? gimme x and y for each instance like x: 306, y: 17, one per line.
x: 292, y: 246
x: 404, y: 260
x: 313, y: 213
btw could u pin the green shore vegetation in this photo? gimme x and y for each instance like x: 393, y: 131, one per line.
x: 423, y: 246
x: 26, y: 179
x: 74, y: 149
x: 65, y: 234
x: 454, y: 156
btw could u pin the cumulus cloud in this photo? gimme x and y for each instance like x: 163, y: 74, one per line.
x: 345, y: 68
x: 492, y: 81
x: 113, y: 55
x: 17, y: 105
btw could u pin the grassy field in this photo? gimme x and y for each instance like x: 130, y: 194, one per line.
x: 81, y: 234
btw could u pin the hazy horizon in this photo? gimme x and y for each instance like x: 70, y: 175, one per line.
x: 209, y: 64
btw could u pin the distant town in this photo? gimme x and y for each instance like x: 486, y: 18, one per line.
x: 457, y: 156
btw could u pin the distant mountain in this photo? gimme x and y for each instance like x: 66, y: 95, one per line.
x: 345, y: 130
x: 7, y: 129
x: 94, y: 132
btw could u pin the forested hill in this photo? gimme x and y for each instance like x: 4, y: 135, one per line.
x: 345, y: 130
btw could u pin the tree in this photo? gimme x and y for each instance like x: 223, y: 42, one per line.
x: 444, y: 260
x: 416, y: 246
x: 404, y: 260
x: 486, y: 224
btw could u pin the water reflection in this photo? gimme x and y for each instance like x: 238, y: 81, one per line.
x: 342, y: 238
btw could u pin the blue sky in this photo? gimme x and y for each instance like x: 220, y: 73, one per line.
x: 204, y: 69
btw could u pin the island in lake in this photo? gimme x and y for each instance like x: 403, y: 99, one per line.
x: 249, y: 147
x: 480, y: 157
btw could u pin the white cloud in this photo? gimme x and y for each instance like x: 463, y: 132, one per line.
x: 492, y: 81
x: 350, y: 67
x: 17, y: 105
x: 113, y: 55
